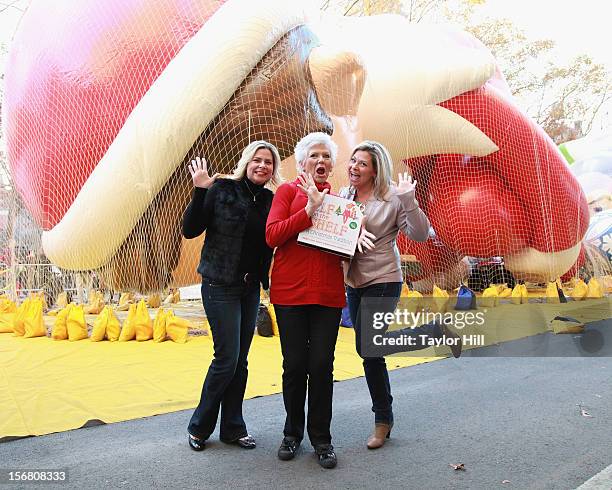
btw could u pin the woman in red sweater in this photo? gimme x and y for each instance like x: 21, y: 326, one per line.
x: 307, y: 290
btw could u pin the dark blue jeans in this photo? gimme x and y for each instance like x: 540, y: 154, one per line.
x: 232, y: 314
x: 375, y: 368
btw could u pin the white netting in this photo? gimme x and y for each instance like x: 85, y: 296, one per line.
x: 81, y: 99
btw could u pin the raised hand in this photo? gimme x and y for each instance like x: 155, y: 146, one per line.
x: 315, y: 198
x: 198, y: 168
x: 405, y: 183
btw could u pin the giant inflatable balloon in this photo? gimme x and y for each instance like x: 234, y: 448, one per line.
x: 107, y: 102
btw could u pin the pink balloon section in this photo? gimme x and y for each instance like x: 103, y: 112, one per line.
x: 71, y: 85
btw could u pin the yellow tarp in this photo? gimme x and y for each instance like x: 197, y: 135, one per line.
x: 51, y: 386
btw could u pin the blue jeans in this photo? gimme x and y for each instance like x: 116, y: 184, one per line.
x: 232, y: 314
x: 375, y: 368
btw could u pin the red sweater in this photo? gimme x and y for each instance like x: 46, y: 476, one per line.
x: 300, y: 275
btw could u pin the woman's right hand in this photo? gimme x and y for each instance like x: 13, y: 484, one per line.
x: 198, y: 168
x: 315, y: 198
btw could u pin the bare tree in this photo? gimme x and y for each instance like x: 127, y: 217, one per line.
x: 564, y: 98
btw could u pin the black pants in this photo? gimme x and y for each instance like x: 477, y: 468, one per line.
x: 232, y: 313
x: 308, y: 335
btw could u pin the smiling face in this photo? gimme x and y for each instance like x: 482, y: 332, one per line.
x: 261, y: 167
x: 361, y: 171
x: 318, y: 163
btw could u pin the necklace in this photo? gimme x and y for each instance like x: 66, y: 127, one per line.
x: 250, y: 191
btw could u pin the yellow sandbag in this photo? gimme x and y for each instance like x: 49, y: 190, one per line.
x: 159, y: 326
x: 7, y: 306
x: 125, y: 300
x: 7, y: 320
x: 565, y: 325
x: 580, y: 290
x: 412, y: 300
x: 177, y: 328
x: 59, y: 330
x: 174, y: 296
x: 99, y: 327
x: 517, y: 293
x: 96, y: 303
x: 62, y: 300
x: 154, y: 300
x: 53, y: 312
x: 504, y: 292
x: 524, y: 294
x: 128, y: 332
x: 405, y: 290
x: 75, y: 324
x: 594, y: 289
x: 41, y: 296
x: 33, y: 322
x: 20, y: 314
x: 490, y: 297
x: 440, y: 299
x: 552, y: 295
x: 142, y: 322
x: 113, y: 327
x: 273, y: 318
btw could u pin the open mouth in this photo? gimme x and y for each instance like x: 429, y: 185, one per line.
x: 320, y: 171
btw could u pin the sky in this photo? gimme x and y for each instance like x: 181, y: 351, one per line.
x: 576, y: 26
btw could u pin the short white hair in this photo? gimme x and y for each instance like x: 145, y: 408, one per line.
x: 313, y: 139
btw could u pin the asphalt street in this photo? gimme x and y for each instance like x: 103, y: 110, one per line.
x: 540, y: 422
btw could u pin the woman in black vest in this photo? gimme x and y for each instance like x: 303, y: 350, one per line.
x: 235, y: 260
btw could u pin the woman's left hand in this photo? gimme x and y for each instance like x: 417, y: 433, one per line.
x: 405, y: 183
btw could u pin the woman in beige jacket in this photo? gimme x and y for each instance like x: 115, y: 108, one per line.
x: 375, y: 274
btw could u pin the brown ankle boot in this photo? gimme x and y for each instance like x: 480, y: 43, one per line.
x: 382, y: 431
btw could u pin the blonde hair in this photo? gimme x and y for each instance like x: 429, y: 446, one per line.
x: 248, y: 153
x: 383, y: 166
x: 307, y: 142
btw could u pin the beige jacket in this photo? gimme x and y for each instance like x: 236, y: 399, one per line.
x: 385, y: 219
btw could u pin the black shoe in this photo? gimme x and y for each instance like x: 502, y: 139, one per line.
x: 326, y: 456
x: 288, y: 448
x: 246, y: 442
x: 195, y: 443
x: 457, y: 345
